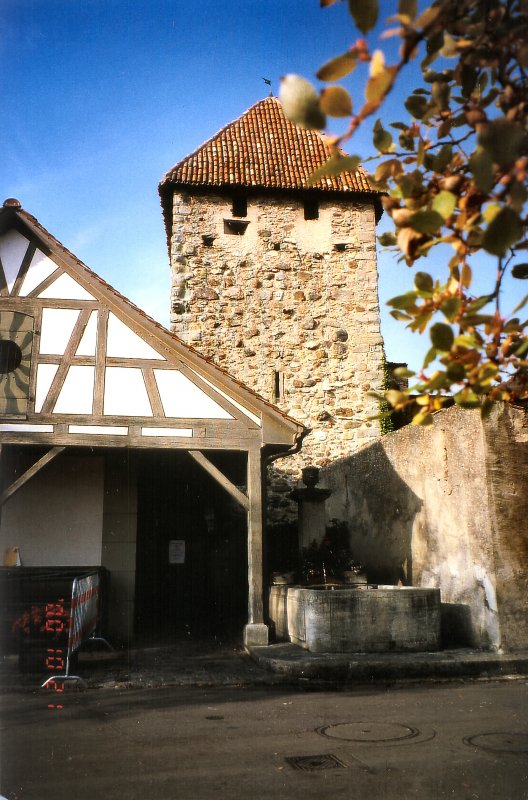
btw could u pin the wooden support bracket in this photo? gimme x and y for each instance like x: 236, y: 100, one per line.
x: 219, y: 476
x: 29, y: 473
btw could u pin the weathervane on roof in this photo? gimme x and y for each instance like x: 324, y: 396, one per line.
x: 268, y: 82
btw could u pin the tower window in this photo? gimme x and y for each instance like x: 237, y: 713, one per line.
x: 239, y: 205
x: 236, y: 227
x: 278, y: 385
x: 311, y: 208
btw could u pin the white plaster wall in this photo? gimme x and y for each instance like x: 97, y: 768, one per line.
x: 56, y: 518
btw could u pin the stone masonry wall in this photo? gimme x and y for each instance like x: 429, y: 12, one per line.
x: 291, y: 309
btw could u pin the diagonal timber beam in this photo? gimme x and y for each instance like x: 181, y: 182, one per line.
x: 220, y: 478
x: 29, y: 473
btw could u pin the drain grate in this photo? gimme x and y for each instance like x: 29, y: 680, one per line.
x: 315, y: 763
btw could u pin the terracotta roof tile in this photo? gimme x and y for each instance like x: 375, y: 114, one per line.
x: 262, y: 148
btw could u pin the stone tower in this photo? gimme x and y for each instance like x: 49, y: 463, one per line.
x: 277, y: 283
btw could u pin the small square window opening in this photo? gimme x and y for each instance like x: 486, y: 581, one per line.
x: 311, y: 208
x: 239, y: 206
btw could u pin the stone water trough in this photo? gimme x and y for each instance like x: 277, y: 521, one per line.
x: 357, y: 619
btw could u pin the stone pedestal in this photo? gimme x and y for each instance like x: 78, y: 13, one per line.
x: 256, y: 634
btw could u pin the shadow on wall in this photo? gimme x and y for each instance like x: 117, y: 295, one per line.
x: 379, y: 508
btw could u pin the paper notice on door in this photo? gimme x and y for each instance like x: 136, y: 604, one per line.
x: 177, y: 551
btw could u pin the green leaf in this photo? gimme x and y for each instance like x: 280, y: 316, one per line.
x: 400, y: 316
x: 449, y: 49
x: 440, y: 92
x: 334, y: 166
x: 513, y: 325
x: 406, y: 140
x: 422, y: 418
x: 387, y: 169
x: 522, y: 349
x: 505, y: 229
x: 521, y: 304
x: 387, y: 239
x: 335, y: 101
x: 467, y: 399
x: 300, y: 103
x: 404, y: 301
x: 444, y: 203
x: 476, y: 319
x: 456, y: 372
x: 520, y: 271
x: 429, y: 357
x: 403, y: 372
x: 395, y: 397
x: 442, y: 158
x: 426, y: 221
x: 382, y: 139
x: 479, y: 303
x: 364, y: 13
x: 468, y: 79
x: 378, y: 86
x: 423, y: 282
x: 503, y: 140
x: 337, y: 67
x: 416, y: 105
x: 442, y: 336
x: 450, y: 308
x: 481, y: 165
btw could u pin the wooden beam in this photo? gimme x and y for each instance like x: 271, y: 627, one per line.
x: 26, y: 261
x: 29, y: 473
x: 220, y: 478
x: 255, y: 533
x: 153, y: 392
x: 100, y: 361
x: 43, y: 285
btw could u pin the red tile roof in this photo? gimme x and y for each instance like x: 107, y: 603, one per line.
x: 262, y: 148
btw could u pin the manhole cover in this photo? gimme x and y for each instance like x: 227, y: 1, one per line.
x: 369, y: 731
x: 499, y: 742
x: 313, y: 763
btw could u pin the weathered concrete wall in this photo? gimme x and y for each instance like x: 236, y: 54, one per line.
x: 446, y: 507
x: 290, y: 308
x: 507, y: 469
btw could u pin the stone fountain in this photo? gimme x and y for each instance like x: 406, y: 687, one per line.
x: 362, y: 617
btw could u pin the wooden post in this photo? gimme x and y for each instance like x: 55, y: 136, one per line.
x: 255, y: 632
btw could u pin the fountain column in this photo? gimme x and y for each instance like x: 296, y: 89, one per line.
x: 312, y: 515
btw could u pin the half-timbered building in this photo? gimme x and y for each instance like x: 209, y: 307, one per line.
x: 123, y: 447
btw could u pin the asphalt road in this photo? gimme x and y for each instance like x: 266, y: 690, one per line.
x: 457, y: 740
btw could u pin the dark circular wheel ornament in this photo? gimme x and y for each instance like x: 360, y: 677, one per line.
x: 10, y: 356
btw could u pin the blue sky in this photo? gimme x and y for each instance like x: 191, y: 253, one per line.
x: 101, y: 97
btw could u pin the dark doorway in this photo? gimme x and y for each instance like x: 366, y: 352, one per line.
x: 191, y: 566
